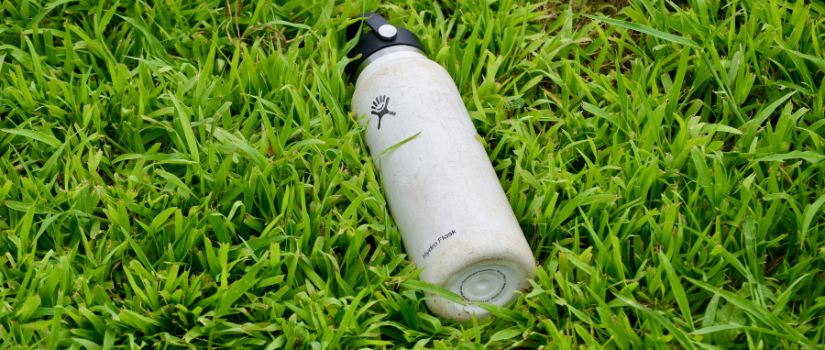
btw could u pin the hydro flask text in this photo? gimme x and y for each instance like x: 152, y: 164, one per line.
x: 440, y: 239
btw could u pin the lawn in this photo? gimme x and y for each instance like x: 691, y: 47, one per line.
x: 187, y: 174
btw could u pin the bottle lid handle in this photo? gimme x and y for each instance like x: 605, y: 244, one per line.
x: 382, y: 35
x: 379, y: 25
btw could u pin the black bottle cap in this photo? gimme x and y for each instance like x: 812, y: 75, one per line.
x: 383, y: 35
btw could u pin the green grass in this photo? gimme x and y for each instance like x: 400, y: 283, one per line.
x: 186, y: 174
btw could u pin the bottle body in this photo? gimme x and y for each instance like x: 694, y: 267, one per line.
x: 442, y: 190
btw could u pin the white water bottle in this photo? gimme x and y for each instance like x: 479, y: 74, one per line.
x: 442, y: 190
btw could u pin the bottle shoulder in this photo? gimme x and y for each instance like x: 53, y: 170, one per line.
x: 407, y: 61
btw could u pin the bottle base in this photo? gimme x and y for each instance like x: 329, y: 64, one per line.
x: 494, y: 282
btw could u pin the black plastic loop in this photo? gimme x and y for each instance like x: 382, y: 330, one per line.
x: 377, y: 39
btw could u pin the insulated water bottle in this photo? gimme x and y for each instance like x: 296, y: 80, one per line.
x: 443, y: 193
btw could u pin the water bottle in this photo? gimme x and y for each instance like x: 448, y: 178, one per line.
x: 443, y: 193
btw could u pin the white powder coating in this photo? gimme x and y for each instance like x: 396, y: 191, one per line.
x: 442, y: 190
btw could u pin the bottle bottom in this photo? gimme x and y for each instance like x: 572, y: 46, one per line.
x: 494, y: 282
x: 485, y: 284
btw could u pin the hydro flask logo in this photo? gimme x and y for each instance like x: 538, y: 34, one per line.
x: 379, y: 108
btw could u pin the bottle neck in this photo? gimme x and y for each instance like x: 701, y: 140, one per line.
x: 383, y: 52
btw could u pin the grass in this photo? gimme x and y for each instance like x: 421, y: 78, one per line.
x: 186, y: 174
